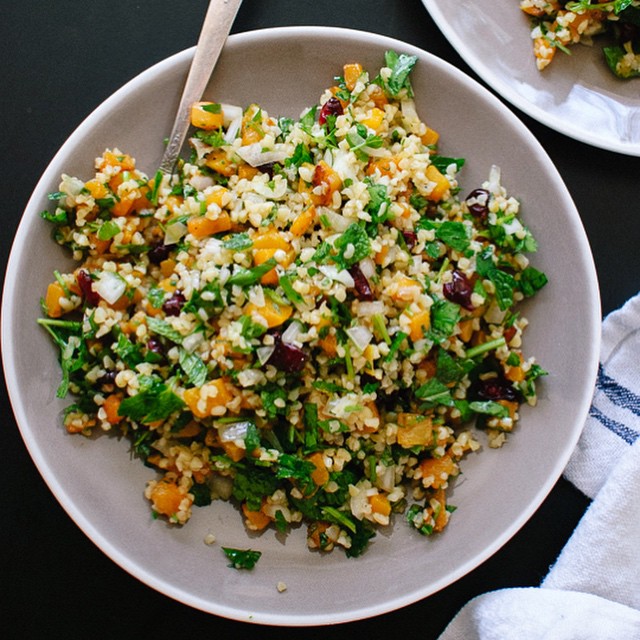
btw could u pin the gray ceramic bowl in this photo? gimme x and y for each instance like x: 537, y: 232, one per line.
x: 100, y: 486
x: 576, y: 94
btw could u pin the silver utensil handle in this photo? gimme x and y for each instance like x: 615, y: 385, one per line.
x: 215, y: 29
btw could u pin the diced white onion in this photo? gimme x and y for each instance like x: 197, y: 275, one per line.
x: 375, y: 153
x: 360, y: 336
x: 333, y: 273
x: 233, y: 431
x: 370, y: 309
x: 201, y: 147
x: 251, y: 377
x: 337, y: 221
x: 254, y: 155
x: 109, y: 286
x: 230, y: 112
x: 174, y: 231
x: 368, y: 267
x: 192, y: 341
x: 264, y: 353
x: 232, y: 130
x: 292, y: 333
x: 494, y: 179
x: 200, y: 182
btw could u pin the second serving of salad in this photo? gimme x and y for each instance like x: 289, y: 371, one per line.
x: 557, y: 25
x: 306, y: 319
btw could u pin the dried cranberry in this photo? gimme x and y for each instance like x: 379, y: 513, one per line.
x: 173, y: 305
x: 626, y: 31
x: 158, y: 253
x: 478, y: 203
x: 267, y: 168
x: 332, y: 107
x: 155, y: 346
x: 459, y: 290
x: 287, y: 357
x: 361, y: 284
x: 84, y: 282
x: 410, y: 239
x: 109, y: 378
x: 497, y: 388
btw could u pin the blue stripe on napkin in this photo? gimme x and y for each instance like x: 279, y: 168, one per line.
x: 620, y: 396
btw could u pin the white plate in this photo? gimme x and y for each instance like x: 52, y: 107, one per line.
x: 101, y: 486
x: 576, y: 95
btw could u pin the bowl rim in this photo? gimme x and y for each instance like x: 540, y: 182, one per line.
x: 39, y: 457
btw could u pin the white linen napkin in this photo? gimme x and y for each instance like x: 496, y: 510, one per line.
x: 593, y: 590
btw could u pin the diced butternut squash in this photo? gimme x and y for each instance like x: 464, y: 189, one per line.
x: 436, y: 471
x: 414, y: 430
x: 207, y: 115
x: 303, y: 222
x: 202, y: 401
x: 515, y: 374
x: 419, y: 324
x: 255, y: 520
x: 378, y: 96
x: 247, y: 172
x: 235, y: 452
x: 271, y: 239
x: 124, y: 206
x: 201, y: 226
x: 252, y: 130
x: 96, y: 189
x: 167, y: 266
x: 111, y: 159
x: 325, y: 182
x: 218, y: 161
x: 374, y: 119
x: 320, y: 475
x: 329, y: 344
x: 404, y: 289
x: 111, y: 405
x: 352, y: 73
x: 430, y: 137
x: 166, y: 497
x: 380, y: 504
x: 273, y: 313
x: 441, y: 184
x: 384, y: 166
x: 216, y: 196
x: 52, y: 300
x: 441, y: 515
x: 466, y: 329
x: 173, y: 202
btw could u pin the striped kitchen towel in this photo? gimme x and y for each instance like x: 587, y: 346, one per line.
x: 592, y: 592
x: 613, y: 424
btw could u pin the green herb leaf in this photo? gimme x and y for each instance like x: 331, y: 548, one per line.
x: 238, y: 242
x: 154, y: 402
x: 355, y: 236
x: 434, y: 393
x: 163, y: 328
x: 454, y: 235
x: 247, y: 277
x: 401, y: 66
x: 108, y: 230
x: 441, y: 163
x: 242, y: 558
x: 490, y: 408
x: 193, y: 366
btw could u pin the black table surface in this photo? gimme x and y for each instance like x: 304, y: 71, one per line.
x: 59, y: 60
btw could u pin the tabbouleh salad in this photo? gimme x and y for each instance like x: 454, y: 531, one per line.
x: 558, y: 24
x: 305, y: 318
